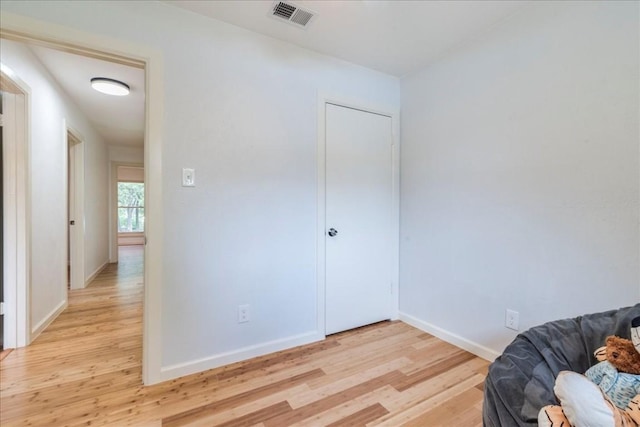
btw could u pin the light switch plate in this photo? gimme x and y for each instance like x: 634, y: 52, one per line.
x: 188, y: 177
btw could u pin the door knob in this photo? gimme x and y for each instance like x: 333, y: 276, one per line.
x: 332, y: 232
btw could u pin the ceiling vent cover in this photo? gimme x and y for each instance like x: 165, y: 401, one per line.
x: 292, y: 13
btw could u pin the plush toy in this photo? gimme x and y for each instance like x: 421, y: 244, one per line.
x: 608, y: 394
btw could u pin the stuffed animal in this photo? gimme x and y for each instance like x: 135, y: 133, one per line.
x: 607, y: 395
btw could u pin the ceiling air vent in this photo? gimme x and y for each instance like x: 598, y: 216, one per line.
x: 292, y: 13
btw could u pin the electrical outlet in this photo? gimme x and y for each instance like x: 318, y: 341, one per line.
x: 512, y: 320
x: 243, y: 313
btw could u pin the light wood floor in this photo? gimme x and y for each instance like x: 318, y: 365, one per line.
x: 85, y: 370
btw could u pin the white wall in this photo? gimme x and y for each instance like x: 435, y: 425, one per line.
x: 126, y: 154
x: 49, y: 109
x: 241, y: 110
x: 96, y: 204
x: 520, y: 177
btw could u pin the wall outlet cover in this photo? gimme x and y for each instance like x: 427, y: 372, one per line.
x: 512, y: 320
x: 243, y: 313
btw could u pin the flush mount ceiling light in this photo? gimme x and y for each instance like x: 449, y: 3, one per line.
x: 110, y: 86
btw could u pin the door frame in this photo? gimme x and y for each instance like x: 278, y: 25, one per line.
x: 17, y: 210
x: 368, y: 107
x: 21, y: 28
x: 74, y: 142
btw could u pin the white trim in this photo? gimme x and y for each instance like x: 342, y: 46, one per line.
x: 24, y: 218
x: 42, y: 325
x: 93, y: 275
x: 77, y: 233
x: 57, y: 35
x: 10, y: 218
x: 154, y: 219
x: 465, y: 344
x: 17, y: 211
x: 321, y: 224
x: 394, y: 114
x: 199, y: 365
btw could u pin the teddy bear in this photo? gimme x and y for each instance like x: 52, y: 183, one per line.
x: 608, y: 394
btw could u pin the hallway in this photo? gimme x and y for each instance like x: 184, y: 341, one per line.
x: 94, y: 348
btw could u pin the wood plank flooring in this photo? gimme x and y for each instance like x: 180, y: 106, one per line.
x: 85, y: 369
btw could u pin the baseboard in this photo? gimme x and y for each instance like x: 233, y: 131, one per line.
x: 215, y: 361
x: 465, y: 344
x: 42, y: 325
x: 93, y: 275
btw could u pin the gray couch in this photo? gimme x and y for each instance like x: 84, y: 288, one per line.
x: 521, y: 380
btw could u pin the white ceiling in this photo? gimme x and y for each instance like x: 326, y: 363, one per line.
x: 118, y: 119
x: 395, y: 37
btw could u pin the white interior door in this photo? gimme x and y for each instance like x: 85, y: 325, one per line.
x: 359, y: 197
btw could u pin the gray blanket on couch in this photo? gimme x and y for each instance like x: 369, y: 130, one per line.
x: 521, y: 380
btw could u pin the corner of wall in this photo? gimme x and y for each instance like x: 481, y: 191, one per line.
x: 468, y: 345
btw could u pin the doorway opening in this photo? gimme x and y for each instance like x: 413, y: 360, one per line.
x: 75, y: 210
x: 66, y: 179
x: 150, y: 61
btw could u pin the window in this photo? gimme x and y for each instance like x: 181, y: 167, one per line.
x: 130, y: 207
